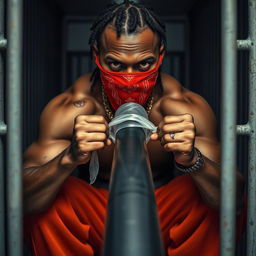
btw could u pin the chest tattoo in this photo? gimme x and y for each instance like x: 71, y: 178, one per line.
x: 79, y: 103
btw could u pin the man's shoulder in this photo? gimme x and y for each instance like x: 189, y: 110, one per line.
x: 178, y: 100
x: 74, y: 96
x: 61, y: 111
x: 175, y: 92
x: 82, y: 85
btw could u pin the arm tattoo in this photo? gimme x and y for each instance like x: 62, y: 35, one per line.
x: 79, y: 103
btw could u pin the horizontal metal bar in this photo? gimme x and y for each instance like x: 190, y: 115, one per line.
x: 246, y: 44
x: 243, y: 129
x: 3, y: 43
x: 3, y: 128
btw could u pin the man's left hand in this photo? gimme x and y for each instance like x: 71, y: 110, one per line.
x: 177, y: 135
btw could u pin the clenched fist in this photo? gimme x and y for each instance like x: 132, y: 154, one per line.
x: 177, y: 134
x: 89, y: 134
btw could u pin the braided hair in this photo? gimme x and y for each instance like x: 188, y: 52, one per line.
x: 127, y: 17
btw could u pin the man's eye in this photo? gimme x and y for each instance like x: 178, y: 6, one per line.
x: 115, y: 65
x: 144, y: 65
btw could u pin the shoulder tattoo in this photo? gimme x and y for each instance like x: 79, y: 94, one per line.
x: 79, y: 103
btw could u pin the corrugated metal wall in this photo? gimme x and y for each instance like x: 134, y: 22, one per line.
x: 41, y: 61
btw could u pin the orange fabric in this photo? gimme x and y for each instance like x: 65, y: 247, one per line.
x: 74, y: 225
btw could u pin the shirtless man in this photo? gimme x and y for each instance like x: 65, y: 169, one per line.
x: 75, y: 123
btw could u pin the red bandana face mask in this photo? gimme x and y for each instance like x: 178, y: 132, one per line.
x: 122, y: 87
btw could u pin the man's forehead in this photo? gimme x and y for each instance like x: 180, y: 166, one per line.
x: 144, y: 40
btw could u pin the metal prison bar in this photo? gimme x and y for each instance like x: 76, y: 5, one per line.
x: 14, y: 135
x: 228, y: 185
x: 14, y: 108
x: 2, y: 131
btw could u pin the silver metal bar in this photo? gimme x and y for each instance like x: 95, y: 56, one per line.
x: 244, y: 44
x: 228, y: 129
x: 14, y: 111
x: 251, y: 225
x: 2, y: 132
x: 244, y: 129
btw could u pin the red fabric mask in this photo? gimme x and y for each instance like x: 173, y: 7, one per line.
x: 122, y: 87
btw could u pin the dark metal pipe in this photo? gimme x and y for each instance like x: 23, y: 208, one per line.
x: 14, y: 136
x: 132, y: 227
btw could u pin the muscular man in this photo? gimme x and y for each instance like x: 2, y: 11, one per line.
x: 65, y: 215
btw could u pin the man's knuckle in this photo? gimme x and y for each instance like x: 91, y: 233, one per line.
x: 79, y: 135
x: 100, y: 127
x: 189, y: 117
x: 167, y: 119
x: 79, y: 118
x: 190, y: 135
x: 104, y: 136
x: 100, y: 144
x: 104, y: 126
x: 165, y: 128
x: 100, y: 137
x: 100, y: 118
x: 167, y: 147
x: 166, y: 136
x: 77, y: 127
x: 190, y: 125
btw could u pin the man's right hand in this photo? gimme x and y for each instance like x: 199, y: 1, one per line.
x: 90, y: 133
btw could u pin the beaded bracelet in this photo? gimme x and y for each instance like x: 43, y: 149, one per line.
x: 194, y: 167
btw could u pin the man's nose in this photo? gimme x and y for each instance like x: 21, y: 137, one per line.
x: 130, y: 70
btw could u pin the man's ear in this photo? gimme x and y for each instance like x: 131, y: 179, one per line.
x: 95, y: 51
x: 162, y: 50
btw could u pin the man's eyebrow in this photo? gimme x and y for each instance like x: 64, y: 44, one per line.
x: 112, y: 58
x: 116, y: 60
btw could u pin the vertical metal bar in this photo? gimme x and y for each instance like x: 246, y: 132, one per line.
x: 2, y: 192
x: 14, y: 79
x: 228, y: 129
x: 251, y: 222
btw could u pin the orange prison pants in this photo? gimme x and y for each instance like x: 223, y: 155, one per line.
x: 74, y: 224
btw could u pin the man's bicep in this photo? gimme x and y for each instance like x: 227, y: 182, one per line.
x: 40, y: 153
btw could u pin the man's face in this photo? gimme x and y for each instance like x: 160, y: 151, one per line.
x: 128, y: 53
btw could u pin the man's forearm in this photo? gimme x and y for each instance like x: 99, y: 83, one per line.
x: 42, y: 183
x: 207, y: 180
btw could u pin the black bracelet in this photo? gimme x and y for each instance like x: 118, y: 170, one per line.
x: 194, y: 167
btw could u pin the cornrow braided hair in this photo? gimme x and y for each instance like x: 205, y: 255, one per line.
x: 127, y: 17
